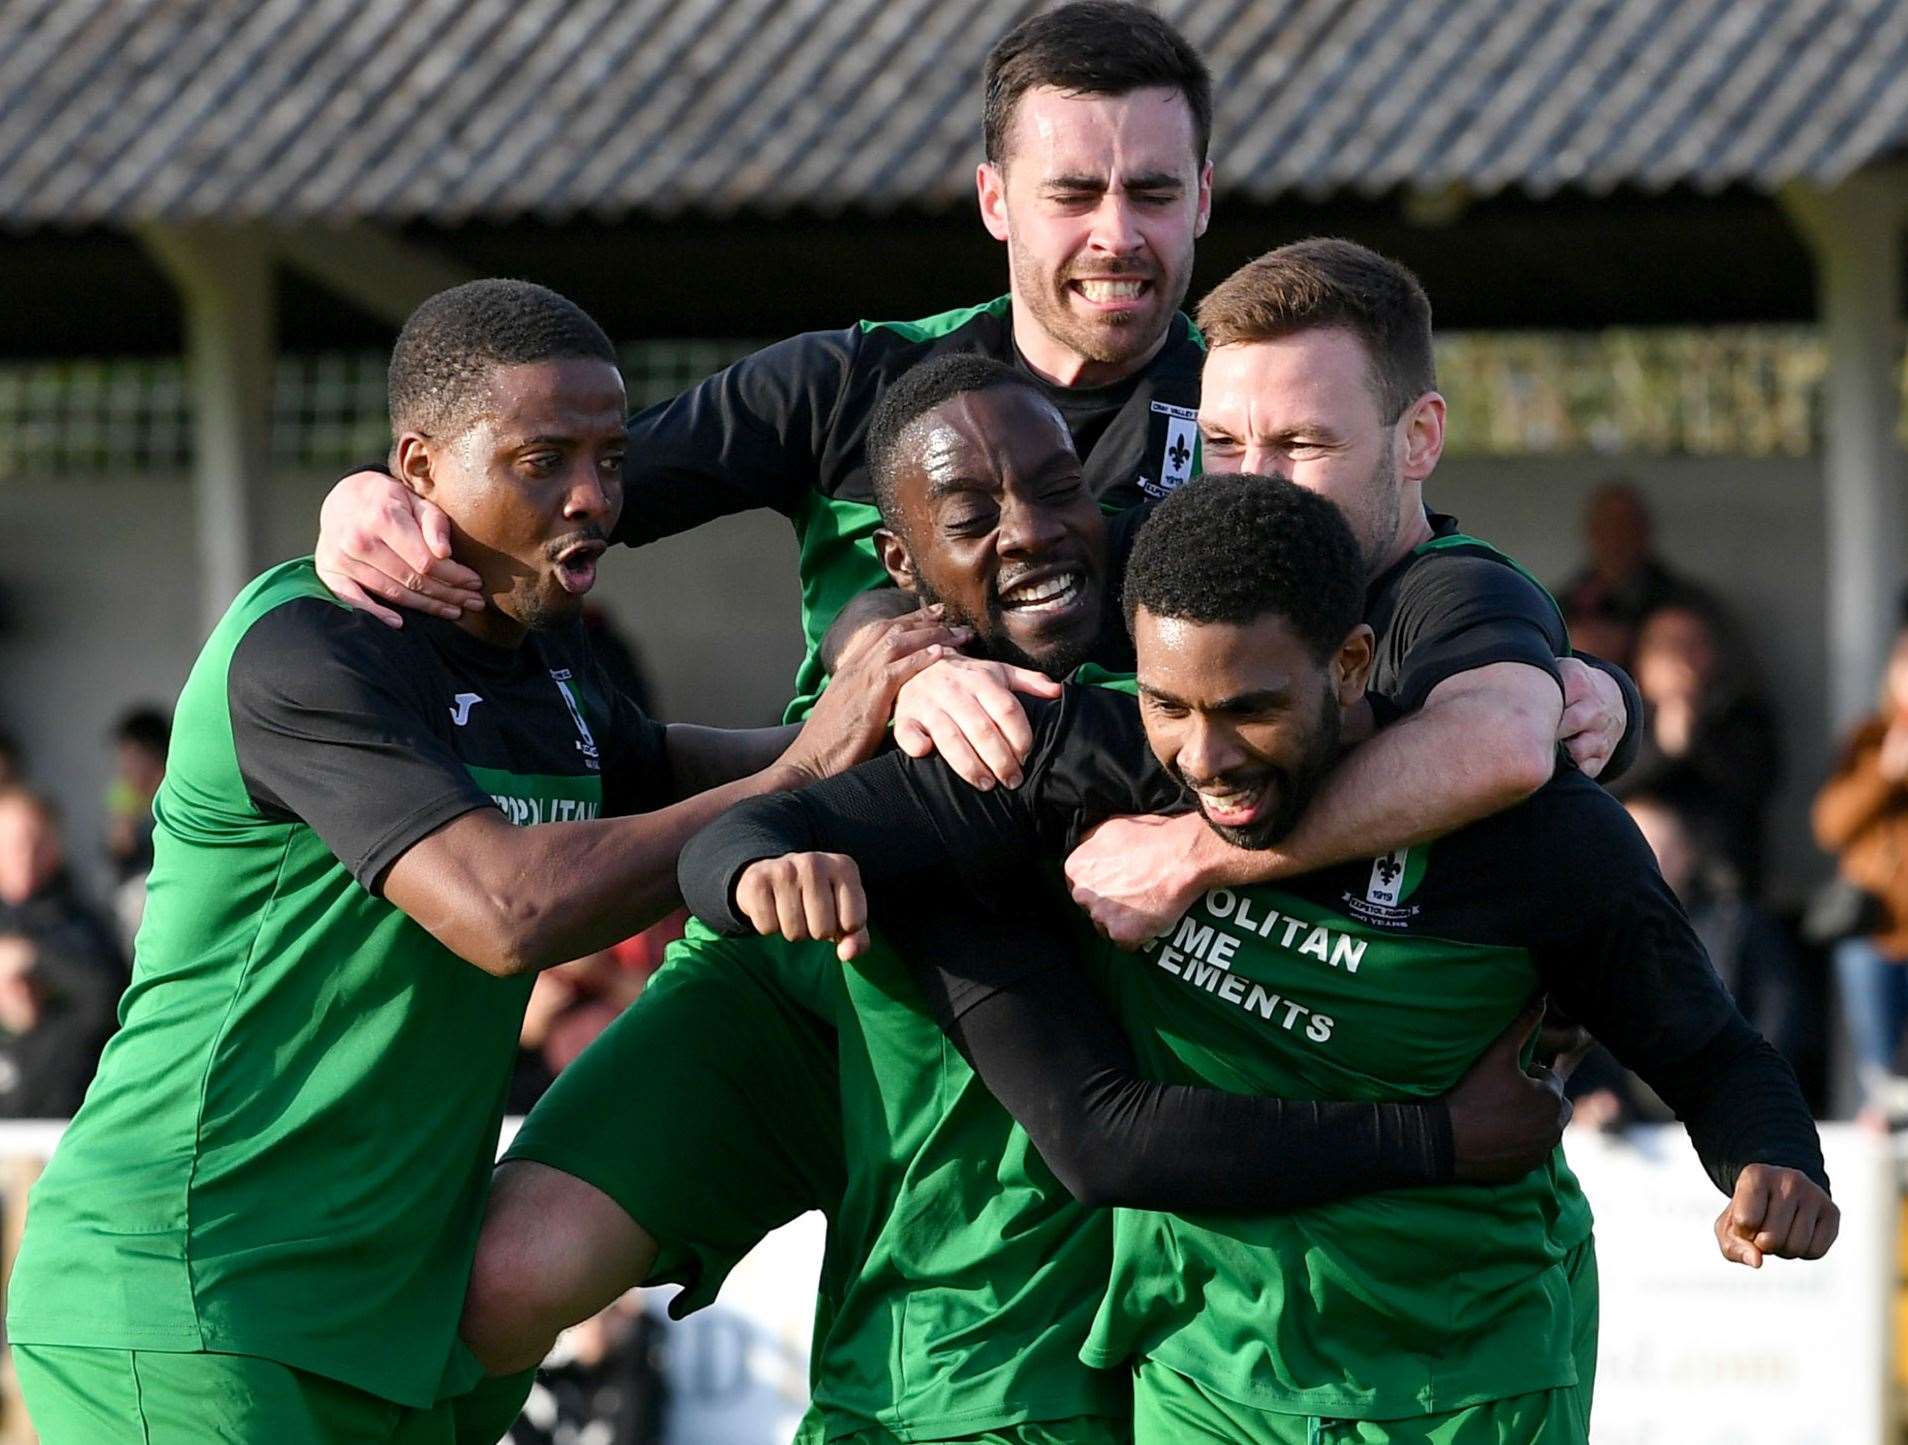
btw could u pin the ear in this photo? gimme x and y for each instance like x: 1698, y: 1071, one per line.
x: 1205, y: 200
x: 1422, y: 437
x: 991, y: 183
x: 895, y: 556
x: 1351, y: 667
x: 411, y: 463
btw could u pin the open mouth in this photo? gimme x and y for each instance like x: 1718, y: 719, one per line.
x: 1045, y: 593
x: 576, y: 567
x: 1110, y: 292
x: 1234, y: 805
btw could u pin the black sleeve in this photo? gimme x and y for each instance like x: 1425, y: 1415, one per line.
x: 750, y: 436
x: 1456, y: 613
x: 330, y: 728
x: 897, y: 815
x: 1632, y: 740
x: 1623, y: 961
x: 1048, y: 1050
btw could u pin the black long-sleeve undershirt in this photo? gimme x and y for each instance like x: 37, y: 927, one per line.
x: 1637, y: 978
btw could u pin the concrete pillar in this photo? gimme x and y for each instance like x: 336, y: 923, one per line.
x: 224, y: 278
x: 1855, y: 231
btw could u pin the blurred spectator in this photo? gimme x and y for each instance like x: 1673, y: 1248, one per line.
x: 12, y: 761
x: 140, y: 738
x: 1710, y: 748
x: 60, y: 972
x: 602, y: 1384
x: 1623, y: 580
x: 1755, y: 959
x: 1861, y: 816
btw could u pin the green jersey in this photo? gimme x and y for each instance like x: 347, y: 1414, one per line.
x: 1382, y: 980
x: 786, y: 428
x: 287, y: 1146
x: 971, y: 1273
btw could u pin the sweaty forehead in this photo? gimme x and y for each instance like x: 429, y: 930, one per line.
x: 983, y: 436
x: 1066, y: 133
x: 569, y: 397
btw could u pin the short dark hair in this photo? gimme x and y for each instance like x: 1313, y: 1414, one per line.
x: 147, y: 727
x: 1091, y: 47
x: 1326, y: 282
x: 918, y: 391
x: 1236, y: 548
x: 450, y: 343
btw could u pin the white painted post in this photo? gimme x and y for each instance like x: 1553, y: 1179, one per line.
x: 224, y: 278
x: 1855, y: 231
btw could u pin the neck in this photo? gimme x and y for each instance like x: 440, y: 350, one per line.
x: 1054, y: 361
x: 493, y: 625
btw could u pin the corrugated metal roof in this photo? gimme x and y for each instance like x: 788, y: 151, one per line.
x: 130, y: 110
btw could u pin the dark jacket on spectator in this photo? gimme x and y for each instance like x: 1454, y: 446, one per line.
x: 81, y: 973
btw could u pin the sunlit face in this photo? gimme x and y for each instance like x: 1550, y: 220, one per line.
x: 1677, y: 657
x: 1307, y: 407
x: 997, y: 525
x: 1244, y: 716
x: 533, y: 486
x: 1099, y: 199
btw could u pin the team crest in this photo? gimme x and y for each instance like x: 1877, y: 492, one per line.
x: 1394, y: 877
x: 1178, y: 440
x: 1386, y: 887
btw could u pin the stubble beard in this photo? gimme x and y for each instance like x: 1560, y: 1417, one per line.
x: 1118, y: 341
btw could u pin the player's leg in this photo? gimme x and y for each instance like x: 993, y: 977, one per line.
x: 707, y: 1115
x: 554, y: 1250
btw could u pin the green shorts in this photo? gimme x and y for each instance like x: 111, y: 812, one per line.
x: 1580, y: 1267
x: 711, y: 1109
x: 1078, y: 1430
x: 80, y: 1396
x: 1170, y: 1409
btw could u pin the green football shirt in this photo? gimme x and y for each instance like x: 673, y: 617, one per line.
x: 1379, y: 980
x: 287, y: 1146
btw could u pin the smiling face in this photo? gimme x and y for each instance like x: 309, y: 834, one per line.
x: 1306, y: 406
x: 533, y: 486
x: 995, y: 522
x: 1245, y: 716
x: 1099, y: 199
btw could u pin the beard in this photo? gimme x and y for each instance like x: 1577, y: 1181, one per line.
x: 1115, y: 340
x: 993, y: 641
x: 1293, y: 787
x: 1378, y: 527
